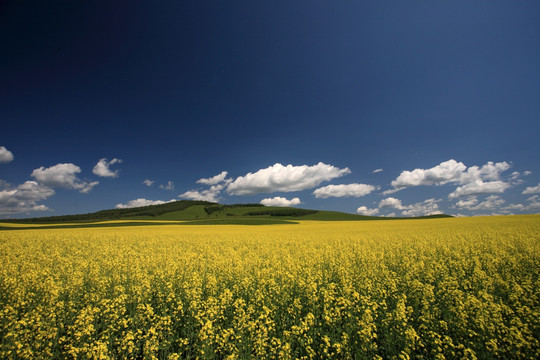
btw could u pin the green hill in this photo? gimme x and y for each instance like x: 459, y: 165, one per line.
x: 202, y: 212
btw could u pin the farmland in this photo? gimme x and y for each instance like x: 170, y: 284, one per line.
x: 425, y: 289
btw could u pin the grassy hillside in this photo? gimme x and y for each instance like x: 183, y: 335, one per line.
x: 202, y: 212
x: 149, y: 212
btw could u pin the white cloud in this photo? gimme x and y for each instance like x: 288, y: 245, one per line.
x: 169, y: 186
x: 445, y: 172
x: 23, y: 198
x: 533, y: 198
x: 362, y: 210
x: 391, y: 191
x: 534, y: 205
x: 141, y: 202
x: 391, y: 203
x: 87, y: 186
x: 5, y: 155
x: 426, y: 207
x: 532, y: 190
x: 493, y: 202
x: 349, y: 190
x: 527, y: 173
x: 218, y: 183
x: 377, y: 171
x: 63, y: 175
x: 211, y: 194
x: 102, y: 168
x: 519, y: 207
x: 280, y: 201
x: 467, y: 202
x: 284, y: 178
x: 213, y: 180
x: 474, y: 180
x: 479, y: 187
x: 490, y: 171
x: 148, y: 182
x: 515, y: 175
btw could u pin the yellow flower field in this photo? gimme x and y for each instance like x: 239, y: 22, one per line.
x: 457, y: 288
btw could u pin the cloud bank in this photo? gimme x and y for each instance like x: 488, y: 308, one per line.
x: 279, y: 178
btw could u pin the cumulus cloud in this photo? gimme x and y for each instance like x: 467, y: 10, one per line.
x: 426, y: 207
x: 169, y: 186
x: 64, y: 176
x: 5, y: 155
x: 141, y: 202
x: 363, y: 210
x: 490, y: 171
x: 445, y: 172
x: 23, y: 198
x: 211, y: 194
x: 391, y: 203
x: 349, y: 190
x: 493, y: 202
x: 148, y: 182
x: 496, y: 203
x: 102, y: 168
x: 532, y: 190
x: 284, y: 179
x: 218, y: 183
x: 467, y: 203
x: 473, y: 180
x: 280, y: 201
x: 377, y: 171
x: 479, y: 187
x: 534, y: 204
x: 213, y: 180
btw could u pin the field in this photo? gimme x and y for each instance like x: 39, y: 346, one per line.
x: 455, y: 288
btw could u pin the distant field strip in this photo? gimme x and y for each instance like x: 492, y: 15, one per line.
x: 455, y: 288
x: 128, y: 223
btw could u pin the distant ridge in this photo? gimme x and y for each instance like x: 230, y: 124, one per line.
x: 203, y: 211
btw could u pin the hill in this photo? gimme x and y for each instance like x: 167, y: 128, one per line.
x: 200, y: 212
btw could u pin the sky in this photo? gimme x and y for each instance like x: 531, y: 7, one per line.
x: 386, y: 108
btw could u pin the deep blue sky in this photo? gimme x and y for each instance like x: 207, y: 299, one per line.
x: 183, y: 91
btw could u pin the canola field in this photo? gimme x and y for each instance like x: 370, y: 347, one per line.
x: 458, y: 288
